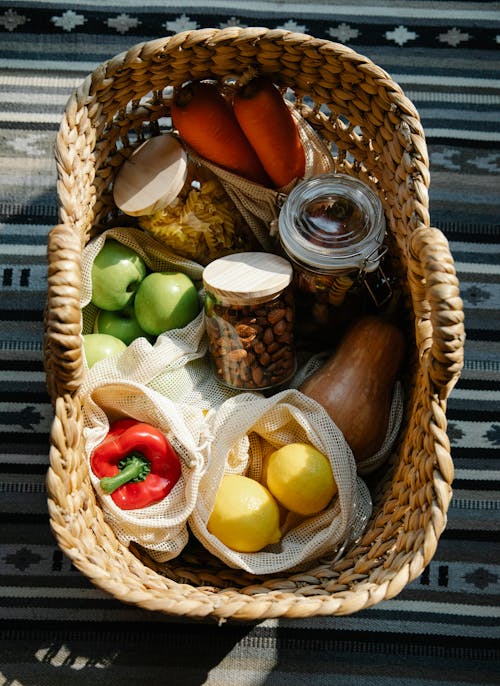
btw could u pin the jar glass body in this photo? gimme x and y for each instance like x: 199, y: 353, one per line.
x: 252, y: 345
x: 249, y: 314
x: 332, y: 229
x: 201, y: 223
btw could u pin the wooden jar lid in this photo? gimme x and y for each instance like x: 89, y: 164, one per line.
x: 247, y: 277
x: 152, y: 177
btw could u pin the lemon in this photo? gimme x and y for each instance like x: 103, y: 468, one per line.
x: 300, y: 478
x: 245, y: 516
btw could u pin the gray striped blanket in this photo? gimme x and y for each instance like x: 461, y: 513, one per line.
x: 56, y: 628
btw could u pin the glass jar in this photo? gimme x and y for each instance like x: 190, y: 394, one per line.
x: 332, y: 228
x: 250, y: 320
x: 180, y: 203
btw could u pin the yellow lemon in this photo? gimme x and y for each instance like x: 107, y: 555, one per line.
x: 300, y: 478
x: 245, y: 515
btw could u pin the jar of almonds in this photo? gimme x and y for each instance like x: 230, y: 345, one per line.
x: 250, y: 320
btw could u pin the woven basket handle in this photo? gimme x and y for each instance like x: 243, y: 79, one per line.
x: 439, y: 313
x: 62, y: 317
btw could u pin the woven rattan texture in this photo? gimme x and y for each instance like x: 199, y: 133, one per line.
x: 375, y: 134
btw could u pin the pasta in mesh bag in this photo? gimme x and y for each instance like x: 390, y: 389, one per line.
x: 247, y: 428
x: 201, y: 224
x: 161, y: 528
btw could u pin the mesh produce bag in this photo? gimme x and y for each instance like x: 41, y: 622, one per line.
x: 176, y: 364
x: 143, y: 360
x: 161, y: 528
x: 245, y: 429
x: 169, y: 384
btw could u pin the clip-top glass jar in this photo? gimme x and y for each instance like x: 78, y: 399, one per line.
x: 332, y: 228
x: 250, y: 319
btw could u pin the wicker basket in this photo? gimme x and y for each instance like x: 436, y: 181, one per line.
x: 376, y: 134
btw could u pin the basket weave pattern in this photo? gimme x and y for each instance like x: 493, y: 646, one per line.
x: 375, y: 133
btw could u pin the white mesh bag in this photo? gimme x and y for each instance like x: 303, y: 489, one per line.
x: 161, y: 528
x: 245, y: 428
x: 142, y: 360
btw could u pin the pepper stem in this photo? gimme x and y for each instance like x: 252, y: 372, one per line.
x: 133, y: 468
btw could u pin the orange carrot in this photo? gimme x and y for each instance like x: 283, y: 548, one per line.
x: 269, y: 126
x: 206, y: 122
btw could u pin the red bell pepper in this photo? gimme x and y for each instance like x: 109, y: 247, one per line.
x: 136, y: 464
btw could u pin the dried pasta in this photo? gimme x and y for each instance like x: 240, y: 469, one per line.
x: 201, y: 224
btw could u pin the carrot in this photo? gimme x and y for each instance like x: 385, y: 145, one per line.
x: 206, y: 122
x: 269, y: 126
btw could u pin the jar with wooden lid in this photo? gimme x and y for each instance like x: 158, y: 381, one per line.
x: 250, y: 320
x: 181, y: 203
x: 332, y: 228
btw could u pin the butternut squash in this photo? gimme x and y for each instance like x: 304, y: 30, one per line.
x: 356, y: 383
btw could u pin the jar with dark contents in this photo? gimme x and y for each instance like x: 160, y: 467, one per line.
x: 250, y: 320
x: 332, y: 228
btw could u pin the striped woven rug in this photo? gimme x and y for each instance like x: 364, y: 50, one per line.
x: 56, y: 628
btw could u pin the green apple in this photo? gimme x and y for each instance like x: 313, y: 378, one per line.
x: 122, y: 324
x: 117, y: 271
x: 166, y: 301
x: 98, y: 346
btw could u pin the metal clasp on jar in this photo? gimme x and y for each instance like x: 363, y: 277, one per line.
x: 377, y: 282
